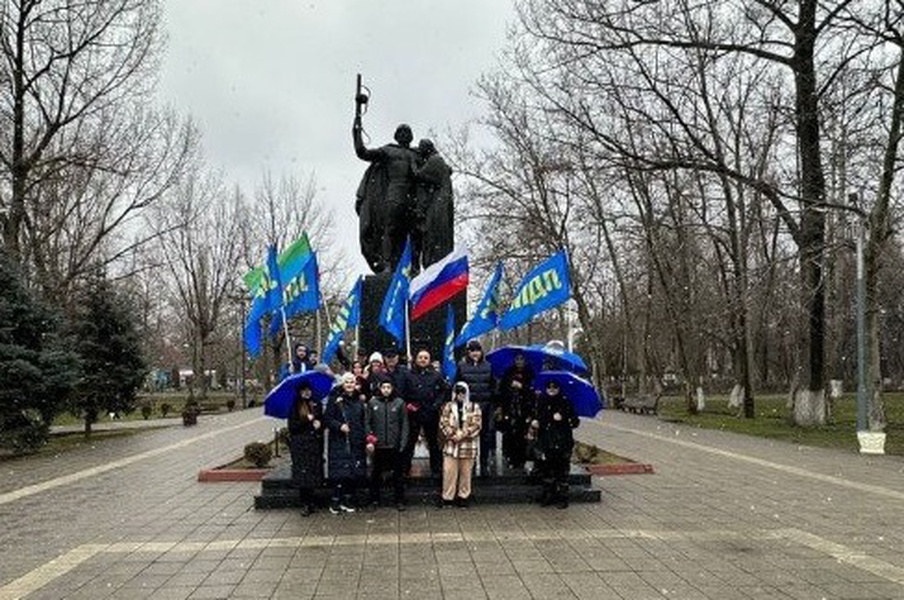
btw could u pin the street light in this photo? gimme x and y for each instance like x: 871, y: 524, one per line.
x: 862, y: 425
x: 870, y: 442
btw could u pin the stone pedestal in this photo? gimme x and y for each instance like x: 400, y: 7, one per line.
x: 429, y: 331
x: 503, y: 485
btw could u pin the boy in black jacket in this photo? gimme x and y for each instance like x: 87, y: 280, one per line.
x: 386, y: 422
x: 554, y: 421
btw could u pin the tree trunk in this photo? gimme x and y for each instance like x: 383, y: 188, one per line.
x: 809, y: 402
x: 879, y: 232
x: 16, y: 213
x: 90, y: 419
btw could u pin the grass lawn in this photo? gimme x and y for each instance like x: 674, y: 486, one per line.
x: 70, y: 441
x: 772, y: 421
x: 176, y: 400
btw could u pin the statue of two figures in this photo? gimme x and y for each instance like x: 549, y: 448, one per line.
x: 405, y: 192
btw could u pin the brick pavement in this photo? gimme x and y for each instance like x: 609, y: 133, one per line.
x: 724, y: 517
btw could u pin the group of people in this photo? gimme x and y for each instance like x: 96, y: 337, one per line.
x: 379, y: 410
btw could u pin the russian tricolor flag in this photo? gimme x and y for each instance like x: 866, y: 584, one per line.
x: 439, y: 282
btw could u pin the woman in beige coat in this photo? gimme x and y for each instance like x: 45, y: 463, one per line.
x: 460, y: 425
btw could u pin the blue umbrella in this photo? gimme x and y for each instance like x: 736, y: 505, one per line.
x: 580, y: 392
x: 561, y: 359
x: 280, y: 400
x: 538, y: 357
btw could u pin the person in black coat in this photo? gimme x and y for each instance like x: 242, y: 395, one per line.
x: 301, y: 360
x: 517, y: 401
x: 396, y: 370
x: 477, y: 373
x: 425, y: 396
x: 346, y: 454
x: 306, y: 446
x: 386, y: 422
x: 554, y: 421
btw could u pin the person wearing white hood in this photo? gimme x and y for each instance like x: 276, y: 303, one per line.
x: 460, y: 424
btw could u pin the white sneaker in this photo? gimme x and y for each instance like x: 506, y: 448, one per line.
x: 334, y: 510
x: 348, y: 509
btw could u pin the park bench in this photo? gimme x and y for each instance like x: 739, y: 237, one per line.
x: 646, y: 405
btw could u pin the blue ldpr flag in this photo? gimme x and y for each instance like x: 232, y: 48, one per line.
x: 348, y: 316
x: 486, y: 317
x: 295, y: 272
x: 300, y: 294
x: 273, y: 283
x: 253, y: 336
x: 274, y: 291
x: 546, y: 286
x: 392, y: 313
x: 449, y: 346
x: 263, y: 286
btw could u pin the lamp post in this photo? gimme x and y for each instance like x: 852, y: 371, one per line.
x: 244, y: 356
x: 862, y: 399
x: 870, y: 442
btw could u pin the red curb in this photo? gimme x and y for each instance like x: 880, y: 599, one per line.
x: 619, y: 469
x: 212, y: 475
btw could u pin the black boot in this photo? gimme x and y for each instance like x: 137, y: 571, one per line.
x: 562, y: 495
x: 547, y: 497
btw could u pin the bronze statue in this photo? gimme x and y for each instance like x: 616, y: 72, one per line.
x: 385, y: 199
x: 403, y: 193
x: 433, y: 230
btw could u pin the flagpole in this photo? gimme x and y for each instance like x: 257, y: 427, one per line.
x: 285, y: 323
x: 317, y: 329
x: 407, y: 332
x: 329, y: 319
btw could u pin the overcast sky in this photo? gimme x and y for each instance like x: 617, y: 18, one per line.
x: 271, y: 82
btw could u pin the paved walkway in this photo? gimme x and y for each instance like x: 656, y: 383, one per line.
x: 724, y: 517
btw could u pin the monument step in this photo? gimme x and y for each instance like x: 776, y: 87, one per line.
x: 486, y: 495
x: 503, y: 486
x: 281, y: 477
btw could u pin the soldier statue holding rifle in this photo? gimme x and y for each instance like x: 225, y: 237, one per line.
x: 396, y: 195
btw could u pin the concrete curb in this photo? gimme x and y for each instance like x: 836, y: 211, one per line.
x: 620, y: 469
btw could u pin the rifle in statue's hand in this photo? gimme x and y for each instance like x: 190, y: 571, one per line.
x: 361, y: 98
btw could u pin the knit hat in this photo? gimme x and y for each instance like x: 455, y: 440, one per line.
x: 376, y: 357
x: 474, y: 344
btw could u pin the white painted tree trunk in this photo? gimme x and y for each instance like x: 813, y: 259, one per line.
x: 736, y: 397
x: 809, y: 408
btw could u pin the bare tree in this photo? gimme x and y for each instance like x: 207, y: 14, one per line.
x: 282, y: 209
x: 81, y: 155
x: 200, y: 246
x: 524, y: 200
x: 888, y: 29
x: 647, y: 56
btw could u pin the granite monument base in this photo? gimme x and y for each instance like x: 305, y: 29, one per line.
x: 503, y: 485
x: 427, y: 332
